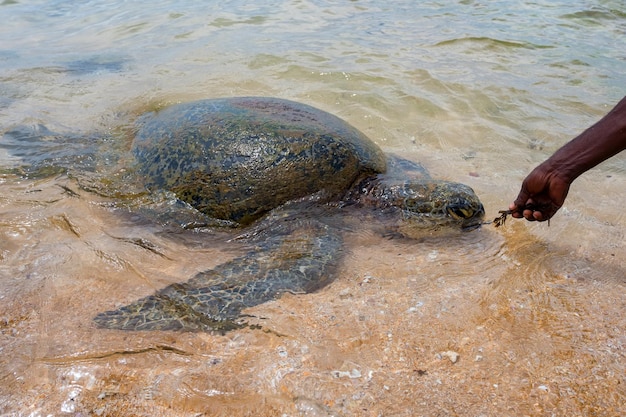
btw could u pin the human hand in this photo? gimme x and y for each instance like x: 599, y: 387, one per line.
x: 542, y: 195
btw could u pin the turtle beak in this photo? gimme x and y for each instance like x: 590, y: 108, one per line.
x: 469, y: 215
x: 460, y: 212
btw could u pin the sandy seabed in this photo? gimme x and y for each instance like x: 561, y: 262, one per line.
x: 493, y: 322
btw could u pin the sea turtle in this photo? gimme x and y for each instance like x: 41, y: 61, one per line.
x: 300, y: 168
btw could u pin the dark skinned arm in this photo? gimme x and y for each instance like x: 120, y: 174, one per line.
x: 545, y: 188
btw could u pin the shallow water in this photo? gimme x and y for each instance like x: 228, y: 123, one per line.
x: 478, y: 92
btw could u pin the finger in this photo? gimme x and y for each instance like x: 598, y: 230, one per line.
x: 549, y: 211
x: 515, y: 211
x: 521, y: 199
x: 539, y: 216
x: 518, y: 205
x: 528, y: 215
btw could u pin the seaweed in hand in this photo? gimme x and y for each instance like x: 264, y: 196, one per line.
x: 501, y: 219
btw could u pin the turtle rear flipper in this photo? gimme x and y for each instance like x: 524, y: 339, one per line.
x: 298, y: 262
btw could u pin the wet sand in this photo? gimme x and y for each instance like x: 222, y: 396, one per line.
x: 492, y: 322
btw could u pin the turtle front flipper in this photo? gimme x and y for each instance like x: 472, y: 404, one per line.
x: 300, y: 261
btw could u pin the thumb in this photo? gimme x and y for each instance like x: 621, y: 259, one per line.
x: 521, y: 200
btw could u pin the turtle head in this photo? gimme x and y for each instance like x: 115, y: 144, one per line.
x: 431, y: 204
x: 439, y: 203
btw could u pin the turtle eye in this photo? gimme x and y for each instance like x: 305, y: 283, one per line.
x: 460, y: 211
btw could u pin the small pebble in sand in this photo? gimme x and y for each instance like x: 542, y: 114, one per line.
x: 352, y: 374
x: 452, y: 355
